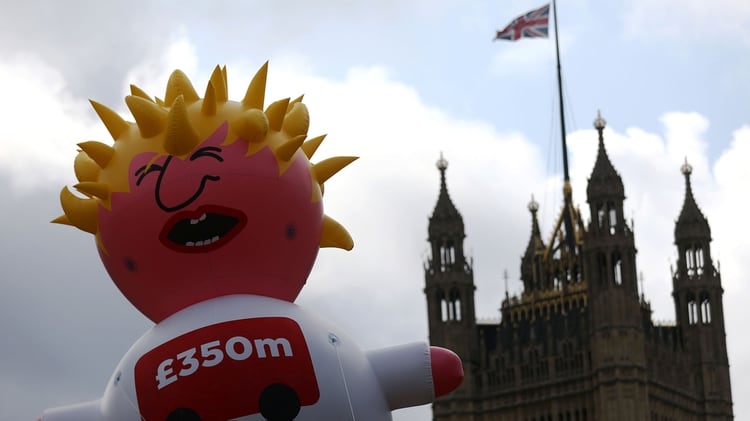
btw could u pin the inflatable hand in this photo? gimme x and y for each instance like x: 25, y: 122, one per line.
x: 447, y: 370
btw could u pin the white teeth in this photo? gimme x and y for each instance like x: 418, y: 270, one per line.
x: 211, y: 240
x: 202, y: 243
x: 195, y: 221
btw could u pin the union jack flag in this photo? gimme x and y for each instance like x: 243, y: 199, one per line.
x: 534, y: 24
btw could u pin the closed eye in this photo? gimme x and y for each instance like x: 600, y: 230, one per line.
x: 145, y: 170
x: 212, y: 151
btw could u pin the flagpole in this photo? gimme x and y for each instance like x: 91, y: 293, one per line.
x: 567, y: 188
x: 560, y: 96
x: 535, y: 24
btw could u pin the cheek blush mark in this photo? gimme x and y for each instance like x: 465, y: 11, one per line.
x: 291, y: 231
x: 129, y: 264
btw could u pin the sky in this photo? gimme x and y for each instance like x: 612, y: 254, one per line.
x: 396, y: 83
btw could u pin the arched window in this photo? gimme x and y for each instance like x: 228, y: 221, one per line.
x: 698, y: 259
x: 601, y: 216
x: 694, y: 260
x: 447, y: 255
x: 454, y: 305
x: 612, y: 217
x: 705, y: 309
x: 617, y: 268
x: 690, y: 261
x: 442, y: 306
x: 693, y: 310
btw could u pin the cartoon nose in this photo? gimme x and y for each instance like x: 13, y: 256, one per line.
x: 279, y: 402
x: 177, y: 187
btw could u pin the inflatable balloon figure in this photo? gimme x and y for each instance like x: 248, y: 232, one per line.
x: 208, y: 216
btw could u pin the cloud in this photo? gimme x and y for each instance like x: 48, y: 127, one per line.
x: 38, y: 142
x: 727, y: 209
x: 150, y: 75
x: 38, y: 139
x: 82, y: 326
x: 85, y: 41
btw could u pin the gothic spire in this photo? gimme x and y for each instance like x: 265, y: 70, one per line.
x: 446, y: 229
x: 535, y: 241
x: 691, y: 224
x: 604, y: 180
x: 536, y: 244
x: 445, y: 212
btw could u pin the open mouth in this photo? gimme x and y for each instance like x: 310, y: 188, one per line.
x: 204, y: 229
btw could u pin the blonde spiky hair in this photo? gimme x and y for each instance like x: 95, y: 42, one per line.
x: 177, y: 124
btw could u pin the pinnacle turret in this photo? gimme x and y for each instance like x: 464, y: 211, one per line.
x: 535, y: 245
x: 604, y: 181
x: 691, y: 224
x: 445, y: 217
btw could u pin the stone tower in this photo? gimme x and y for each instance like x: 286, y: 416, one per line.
x: 449, y: 289
x: 697, y: 295
x: 579, y: 342
x: 618, y: 359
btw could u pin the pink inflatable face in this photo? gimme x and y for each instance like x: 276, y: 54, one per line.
x: 210, y: 224
x: 204, y: 197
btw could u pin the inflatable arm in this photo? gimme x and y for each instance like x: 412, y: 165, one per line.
x: 414, y: 374
x: 89, y: 411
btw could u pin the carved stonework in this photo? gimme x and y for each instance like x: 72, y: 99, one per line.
x: 579, y: 342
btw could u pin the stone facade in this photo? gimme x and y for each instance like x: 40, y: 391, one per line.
x: 579, y: 343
